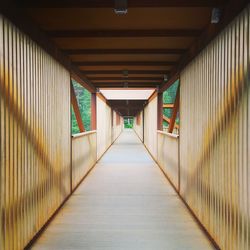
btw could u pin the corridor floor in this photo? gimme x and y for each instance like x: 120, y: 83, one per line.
x: 124, y: 203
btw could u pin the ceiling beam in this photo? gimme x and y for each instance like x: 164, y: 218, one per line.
x: 166, y: 51
x: 231, y: 10
x: 110, y: 3
x: 126, y: 63
x: 125, y: 79
x: 129, y: 85
x: 130, y: 72
x: 123, y: 33
x: 168, y: 105
x: 128, y: 106
x: 22, y: 22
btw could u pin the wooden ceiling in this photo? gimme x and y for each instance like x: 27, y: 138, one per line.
x: 148, y: 42
x: 127, y: 107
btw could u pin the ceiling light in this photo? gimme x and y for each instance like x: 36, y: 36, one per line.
x: 121, y: 7
x: 216, y: 14
x: 165, y: 78
x: 125, y: 73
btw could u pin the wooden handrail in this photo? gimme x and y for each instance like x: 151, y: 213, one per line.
x: 83, y: 134
x: 168, y: 134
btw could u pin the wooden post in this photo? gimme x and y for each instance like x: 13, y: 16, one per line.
x: 93, y: 111
x: 160, y: 111
x: 76, y: 109
x: 175, y: 110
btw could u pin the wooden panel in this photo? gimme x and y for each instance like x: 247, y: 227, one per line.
x: 168, y: 156
x: 126, y: 43
x: 136, y: 18
x: 125, y: 33
x: 83, y: 155
x: 150, y: 126
x: 214, y: 141
x: 104, y: 135
x: 35, y: 137
x: 126, y: 57
x: 117, y: 126
x: 138, y: 127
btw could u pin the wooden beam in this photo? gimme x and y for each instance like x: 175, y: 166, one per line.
x: 231, y: 10
x: 125, y: 78
x: 174, y: 51
x: 76, y: 108
x: 168, y: 105
x: 131, y: 3
x: 17, y: 17
x: 130, y: 72
x: 127, y: 106
x: 168, y: 121
x: 129, y: 85
x: 126, y: 63
x: 172, y: 80
x: 159, y: 111
x: 123, y: 33
x: 93, y: 111
x: 175, y: 111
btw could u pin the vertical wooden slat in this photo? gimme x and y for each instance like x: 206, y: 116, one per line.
x: 34, y: 137
x: 2, y: 188
x: 214, y: 136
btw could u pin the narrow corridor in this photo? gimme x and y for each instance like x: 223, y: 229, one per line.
x: 124, y: 203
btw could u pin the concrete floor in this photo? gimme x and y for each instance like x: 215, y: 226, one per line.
x: 125, y: 203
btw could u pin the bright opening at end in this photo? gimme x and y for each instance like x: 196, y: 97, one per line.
x: 127, y: 94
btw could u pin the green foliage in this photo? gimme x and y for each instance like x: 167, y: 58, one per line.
x: 128, y: 122
x: 84, y: 102
x: 169, y: 97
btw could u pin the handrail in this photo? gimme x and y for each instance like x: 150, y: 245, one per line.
x: 83, y: 134
x: 168, y: 134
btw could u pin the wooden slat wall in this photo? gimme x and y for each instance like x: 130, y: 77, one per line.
x: 34, y: 137
x: 215, y: 135
x: 150, y: 126
x: 83, y: 155
x: 104, y: 126
x: 138, y: 127
x: 117, y: 125
x: 168, y: 155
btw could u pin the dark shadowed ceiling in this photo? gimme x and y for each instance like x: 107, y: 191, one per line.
x: 134, y: 50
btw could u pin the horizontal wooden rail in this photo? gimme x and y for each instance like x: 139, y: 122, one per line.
x: 168, y: 134
x: 83, y: 134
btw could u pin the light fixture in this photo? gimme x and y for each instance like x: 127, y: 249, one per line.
x: 125, y: 73
x: 165, y: 78
x: 121, y: 7
x: 216, y: 14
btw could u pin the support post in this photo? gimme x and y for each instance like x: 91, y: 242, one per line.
x: 175, y: 111
x: 160, y: 111
x: 93, y: 111
x: 76, y: 108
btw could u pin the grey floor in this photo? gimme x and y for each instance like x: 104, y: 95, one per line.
x: 124, y: 203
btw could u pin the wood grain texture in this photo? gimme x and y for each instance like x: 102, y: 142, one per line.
x: 167, y: 156
x: 124, y: 203
x: 34, y: 139
x: 214, y: 135
x: 83, y: 155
